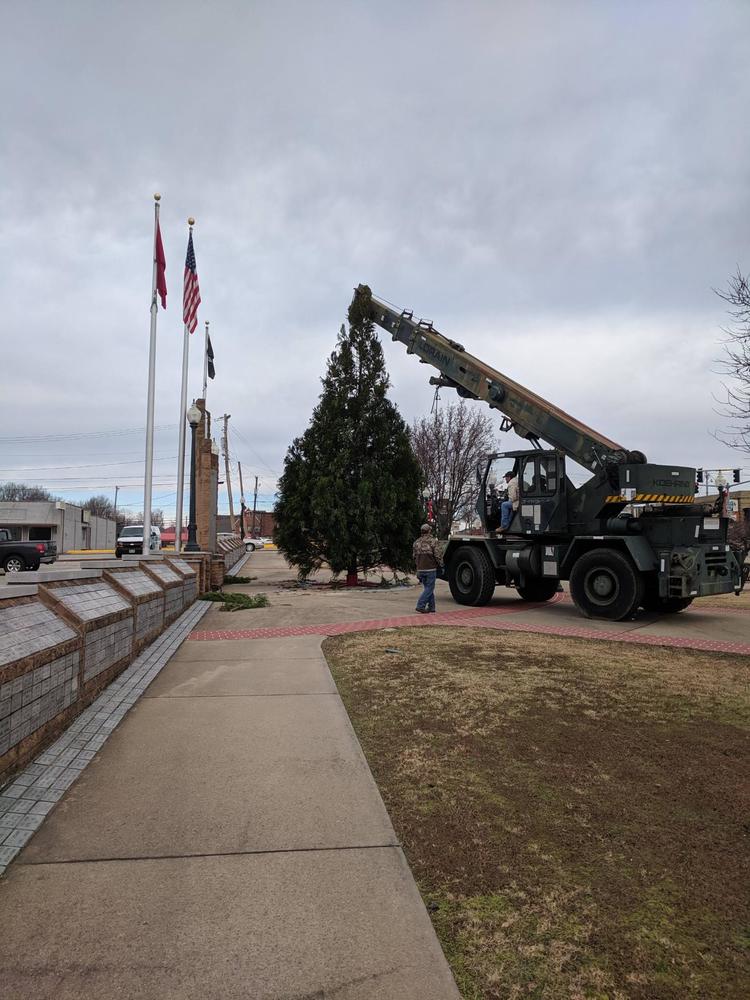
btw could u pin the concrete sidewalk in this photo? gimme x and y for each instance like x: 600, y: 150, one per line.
x: 228, y: 841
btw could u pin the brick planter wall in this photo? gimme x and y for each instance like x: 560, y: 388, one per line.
x: 232, y: 549
x: 147, y: 597
x: 189, y: 576
x: 218, y: 572
x: 171, y: 583
x: 63, y: 640
x: 106, y: 620
x: 201, y: 562
x: 39, y: 677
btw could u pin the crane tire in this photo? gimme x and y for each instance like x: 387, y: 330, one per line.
x: 471, y: 576
x: 604, y: 583
x: 538, y: 590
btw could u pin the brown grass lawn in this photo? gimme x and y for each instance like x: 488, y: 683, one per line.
x: 576, y: 814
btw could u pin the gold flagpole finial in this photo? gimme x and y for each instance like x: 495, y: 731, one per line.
x: 191, y: 221
x: 157, y: 197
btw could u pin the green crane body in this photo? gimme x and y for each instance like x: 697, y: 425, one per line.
x: 660, y: 555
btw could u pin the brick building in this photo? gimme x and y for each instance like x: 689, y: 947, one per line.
x: 741, y: 503
x: 264, y: 522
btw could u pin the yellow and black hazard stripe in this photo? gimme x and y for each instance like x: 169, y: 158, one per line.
x: 650, y: 498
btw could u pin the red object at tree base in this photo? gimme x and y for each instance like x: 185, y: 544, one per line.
x: 352, y: 579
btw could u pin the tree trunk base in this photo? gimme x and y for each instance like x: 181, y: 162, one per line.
x: 352, y: 579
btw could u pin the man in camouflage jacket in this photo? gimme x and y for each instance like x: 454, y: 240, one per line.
x: 428, y: 559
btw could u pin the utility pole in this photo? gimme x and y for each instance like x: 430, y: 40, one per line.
x: 226, y: 467
x: 242, y: 502
x: 117, y: 488
x: 255, y: 504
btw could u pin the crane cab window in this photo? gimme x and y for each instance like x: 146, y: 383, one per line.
x: 548, y: 473
x: 540, y: 476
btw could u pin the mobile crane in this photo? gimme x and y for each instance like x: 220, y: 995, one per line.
x: 632, y: 536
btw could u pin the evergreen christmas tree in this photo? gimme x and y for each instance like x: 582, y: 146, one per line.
x: 350, y: 492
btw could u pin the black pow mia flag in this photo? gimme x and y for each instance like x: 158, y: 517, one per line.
x: 210, y: 356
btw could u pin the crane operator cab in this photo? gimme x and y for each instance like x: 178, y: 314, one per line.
x: 541, y: 491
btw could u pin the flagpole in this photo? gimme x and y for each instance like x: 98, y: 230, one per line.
x: 147, y: 489
x: 205, y: 365
x: 183, y: 421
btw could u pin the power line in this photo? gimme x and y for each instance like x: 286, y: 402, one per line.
x: 94, y: 465
x: 139, y: 503
x: 122, y: 480
x: 274, y: 472
x: 30, y: 438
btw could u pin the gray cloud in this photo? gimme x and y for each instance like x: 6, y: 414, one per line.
x: 558, y: 186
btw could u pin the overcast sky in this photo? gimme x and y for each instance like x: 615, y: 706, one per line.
x: 560, y: 186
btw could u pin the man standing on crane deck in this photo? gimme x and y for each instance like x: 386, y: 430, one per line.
x: 507, y: 507
x: 428, y: 558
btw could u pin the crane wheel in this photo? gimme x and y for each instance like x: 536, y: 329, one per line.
x: 471, y: 576
x: 604, y: 583
x: 538, y: 590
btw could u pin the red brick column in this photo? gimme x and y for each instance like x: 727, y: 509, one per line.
x: 206, y: 482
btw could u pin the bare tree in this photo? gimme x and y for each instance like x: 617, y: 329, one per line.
x: 449, y: 444
x: 739, y: 535
x: 125, y: 518
x: 735, y: 364
x: 13, y: 492
x: 100, y: 506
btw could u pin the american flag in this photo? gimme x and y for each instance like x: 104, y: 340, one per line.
x: 191, y: 296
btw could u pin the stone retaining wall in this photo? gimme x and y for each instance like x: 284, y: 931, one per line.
x: 40, y: 662
x: 102, y: 616
x: 146, y: 595
x: 232, y: 549
x: 171, y: 582
x: 68, y: 635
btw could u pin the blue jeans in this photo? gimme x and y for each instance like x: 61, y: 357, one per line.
x: 427, y: 578
x: 506, y: 513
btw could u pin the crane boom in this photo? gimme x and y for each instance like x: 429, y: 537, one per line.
x: 529, y: 415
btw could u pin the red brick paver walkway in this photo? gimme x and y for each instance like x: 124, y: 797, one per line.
x: 484, y: 618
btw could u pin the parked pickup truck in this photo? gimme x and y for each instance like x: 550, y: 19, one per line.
x: 17, y: 556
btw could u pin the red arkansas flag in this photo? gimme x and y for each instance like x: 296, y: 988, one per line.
x: 161, y: 268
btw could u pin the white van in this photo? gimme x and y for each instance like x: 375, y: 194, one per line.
x: 130, y: 540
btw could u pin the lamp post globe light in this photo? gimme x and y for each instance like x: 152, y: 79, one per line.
x: 427, y: 506
x: 194, y: 418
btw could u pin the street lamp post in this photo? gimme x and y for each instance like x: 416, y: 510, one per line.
x: 194, y: 418
x: 721, y: 485
x: 426, y: 498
